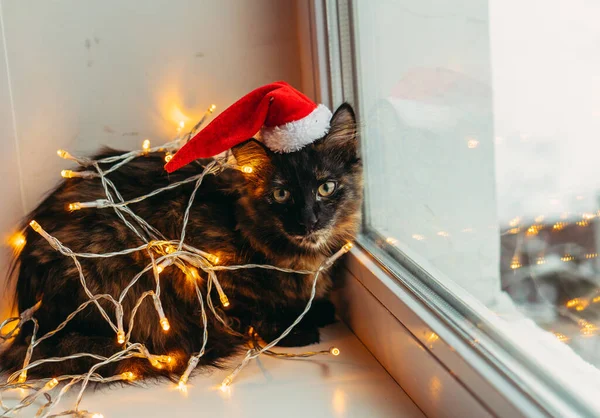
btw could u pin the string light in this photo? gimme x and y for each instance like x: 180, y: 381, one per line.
x: 567, y: 257
x: 128, y: 376
x: 22, y: 377
x: 391, y: 240
x: 515, y: 263
x: 247, y: 169
x: 592, y: 255
x: 559, y: 226
x: 64, y: 154
x: 73, y: 206
x: 472, y: 143
x: 514, y: 231
x: 443, y: 234
x: 164, y: 323
x: 582, y: 223
x: 540, y: 260
x: 51, y: 384
x: 17, y: 241
x: 185, y: 257
x: 561, y: 337
x: 168, y: 157
x: 418, y: 237
x: 334, y: 351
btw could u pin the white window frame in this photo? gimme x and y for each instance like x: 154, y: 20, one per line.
x: 439, y: 357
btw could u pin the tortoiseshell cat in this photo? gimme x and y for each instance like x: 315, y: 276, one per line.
x: 293, y: 211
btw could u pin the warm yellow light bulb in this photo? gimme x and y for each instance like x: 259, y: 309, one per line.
x: 194, y: 273
x: 212, y: 108
x: 224, y: 300
x: 247, y: 169
x: 128, y: 376
x: 74, y: 206
x: 36, y: 226
x: 121, y: 337
x: 146, y: 145
x: 168, y: 157
x: 66, y: 174
x: 22, y: 377
x: 181, y: 386
x: 181, y: 124
x: 51, y: 384
x: 159, y: 269
x: 164, y: 323
x: 335, y: 351
x: 63, y: 154
x: 17, y: 241
x: 348, y: 246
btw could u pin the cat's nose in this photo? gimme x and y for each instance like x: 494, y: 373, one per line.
x: 309, y: 222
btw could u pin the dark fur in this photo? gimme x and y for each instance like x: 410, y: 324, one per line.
x: 234, y: 216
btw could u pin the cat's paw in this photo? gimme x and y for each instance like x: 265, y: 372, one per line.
x: 301, y: 337
x: 322, y: 313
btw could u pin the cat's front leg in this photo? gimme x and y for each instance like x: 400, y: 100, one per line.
x: 306, y: 332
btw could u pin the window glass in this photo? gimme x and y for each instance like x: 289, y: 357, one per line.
x: 480, y: 126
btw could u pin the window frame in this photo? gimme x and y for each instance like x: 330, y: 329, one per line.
x: 477, y: 367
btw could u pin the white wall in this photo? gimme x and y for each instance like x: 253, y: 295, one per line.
x: 113, y: 72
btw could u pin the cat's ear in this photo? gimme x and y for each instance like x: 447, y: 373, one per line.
x: 341, y: 139
x: 251, y: 153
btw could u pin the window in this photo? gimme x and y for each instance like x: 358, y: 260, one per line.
x: 479, y: 125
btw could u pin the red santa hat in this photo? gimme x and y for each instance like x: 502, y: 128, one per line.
x: 285, y: 119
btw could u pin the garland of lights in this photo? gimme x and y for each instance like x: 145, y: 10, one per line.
x: 163, y: 253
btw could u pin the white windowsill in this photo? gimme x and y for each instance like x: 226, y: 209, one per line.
x: 353, y: 384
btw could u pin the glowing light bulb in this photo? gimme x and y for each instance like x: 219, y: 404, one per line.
x: 51, y: 384
x: 247, y: 169
x: 193, y: 273
x: 224, y: 300
x: 159, y: 269
x: 348, y: 246
x: 212, y: 108
x: 97, y: 416
x: 146, y: 145
x: 164, y: 323
x: 121, y: 337
x: 74, y: 206
x: 22, y: 377
x: 63, y: 154
x: 418, y: 237
x: 561, y: 337
x: 334, y: 351
x: 36, y: 226
x: 17, y: 241
x: 226, y: 383
x: 392, y: 241
x: 128, y: 376
x: 212, y: 258
x: 472, y: 143
x: 181, y: 124
x: 67, y: 174
x: 168, y: 157
x: 182, y: 387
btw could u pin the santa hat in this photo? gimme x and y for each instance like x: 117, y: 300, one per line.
x: 285, y: 119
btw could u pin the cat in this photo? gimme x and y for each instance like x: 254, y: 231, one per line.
x: 294, y: 210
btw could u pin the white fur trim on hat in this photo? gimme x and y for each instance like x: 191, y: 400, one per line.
x: 297, y: 134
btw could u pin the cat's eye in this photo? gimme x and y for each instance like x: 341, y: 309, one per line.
x: 281, y: 195
x: 327, y: 188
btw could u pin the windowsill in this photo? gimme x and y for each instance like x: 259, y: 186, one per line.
x: 353, y: 384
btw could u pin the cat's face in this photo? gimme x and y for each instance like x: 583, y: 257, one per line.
x: 309, y: 199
